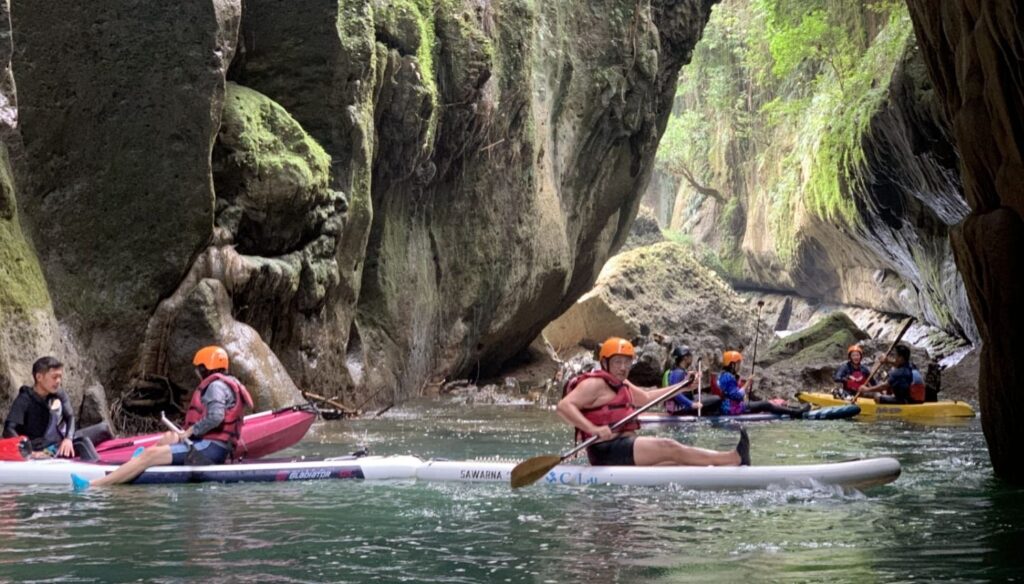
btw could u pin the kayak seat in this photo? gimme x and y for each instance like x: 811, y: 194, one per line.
x: 84, y: 449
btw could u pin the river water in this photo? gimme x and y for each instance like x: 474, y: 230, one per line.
x: 946, y: 518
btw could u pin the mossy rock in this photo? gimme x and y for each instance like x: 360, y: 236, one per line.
x: 269, y: 171
x: 824, y: 341
x: 22, y: 287
x: 398, y: 25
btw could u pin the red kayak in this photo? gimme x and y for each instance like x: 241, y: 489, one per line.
x: 263, y: 433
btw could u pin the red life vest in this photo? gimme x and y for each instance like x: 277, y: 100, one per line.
x: 231, y: 428
x: 855, y: 381
x: 618, y: 408
x: 715, y: 390
x: 917, y: 388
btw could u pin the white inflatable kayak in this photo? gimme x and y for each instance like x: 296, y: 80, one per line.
x: 854, y: 474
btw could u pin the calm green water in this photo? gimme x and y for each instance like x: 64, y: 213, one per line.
x: 944, y: 519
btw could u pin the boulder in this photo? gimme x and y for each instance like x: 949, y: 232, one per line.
x: 271, y: 178
x: 825, y: 341
x: 205, y: 319
x: 28, y: 327
x: 318, y: 61
x: 667, y: 289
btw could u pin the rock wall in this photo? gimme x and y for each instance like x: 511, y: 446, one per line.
x: 368, y: 194
x: 973, y: 50
x: 850, y: 203
x: 119, y: 103
x: 28, y: 327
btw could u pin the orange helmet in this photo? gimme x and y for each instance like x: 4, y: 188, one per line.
x: 730, y: 357
x: 212, y: 357
x: 855, y: 348
x: 617, y: 346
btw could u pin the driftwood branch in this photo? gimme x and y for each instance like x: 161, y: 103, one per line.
x: 344, y: 409
x: 702, y: 189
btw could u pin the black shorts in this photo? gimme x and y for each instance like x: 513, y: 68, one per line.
x: 614, y: 452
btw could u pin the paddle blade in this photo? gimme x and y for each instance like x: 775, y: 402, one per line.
x: 530, y: 470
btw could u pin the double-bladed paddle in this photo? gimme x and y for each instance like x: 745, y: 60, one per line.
x: 530, y: 470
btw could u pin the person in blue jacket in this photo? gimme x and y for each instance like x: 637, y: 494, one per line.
x: 733, y: 392
x: 684, y: 403
x: 905, y: 381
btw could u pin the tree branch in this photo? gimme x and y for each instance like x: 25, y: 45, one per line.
x: 702, y: 189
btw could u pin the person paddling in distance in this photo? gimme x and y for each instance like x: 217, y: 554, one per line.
x: 904, y: 381
x: 596, y: 400
x: 852, y: 374
x: 681, y: 371
x: 734, y: 391
x: 214, y: 423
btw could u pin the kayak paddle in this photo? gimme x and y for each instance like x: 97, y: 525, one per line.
x: 194, y: 457
x: 903, y: 331
x: 700, y: 382
x: 753, y: 362
x: 530, y: 470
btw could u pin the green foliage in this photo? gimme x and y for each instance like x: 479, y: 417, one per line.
x: 787, y: 89
x: 677, y: 237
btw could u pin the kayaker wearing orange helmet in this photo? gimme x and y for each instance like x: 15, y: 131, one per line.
x: 733, y: 392
x: 852, y: 374
x: 594, y: 401
x: 213, y: 421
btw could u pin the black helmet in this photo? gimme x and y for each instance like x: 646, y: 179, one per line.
x: 680, y: 352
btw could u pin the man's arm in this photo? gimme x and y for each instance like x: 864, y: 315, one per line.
x: 15, y: 418
x: 842, y: 373
x: 68, y: 413
x: 66, y: 447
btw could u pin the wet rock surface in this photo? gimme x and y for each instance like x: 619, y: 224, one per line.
x: 396, y: 191
x: 664, y: 289
x: 118, y: 108
x: 972, y: 51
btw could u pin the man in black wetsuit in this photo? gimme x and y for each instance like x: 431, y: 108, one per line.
x: 43, y: 412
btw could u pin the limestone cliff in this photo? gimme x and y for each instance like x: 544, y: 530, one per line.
x: 823, y: 164
x: 366, y: 193
x: 972, y: 50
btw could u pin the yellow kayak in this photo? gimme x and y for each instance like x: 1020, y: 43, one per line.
x: 868, y: 407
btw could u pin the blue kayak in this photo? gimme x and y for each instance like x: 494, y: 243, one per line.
x: 830, y: 413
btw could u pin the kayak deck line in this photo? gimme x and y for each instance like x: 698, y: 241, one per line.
x: 856, y: 474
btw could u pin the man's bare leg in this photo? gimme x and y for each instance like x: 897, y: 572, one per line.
x: 152, y: 456
x: 648, y: 451
x: 167, y: 438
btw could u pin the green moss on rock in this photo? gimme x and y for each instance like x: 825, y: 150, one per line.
x: 826, y: 340
x: 267, y: 140
x: 270, y: 171
x: 22, y: 287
